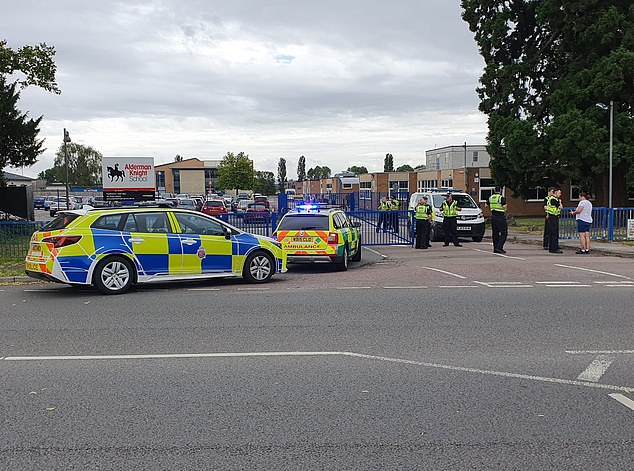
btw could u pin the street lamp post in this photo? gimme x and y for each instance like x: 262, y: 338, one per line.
x: 466, y: 184
x: 66, y: 139
x: 611, y: 147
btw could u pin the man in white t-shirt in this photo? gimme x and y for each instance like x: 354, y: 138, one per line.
x: 583, y: 215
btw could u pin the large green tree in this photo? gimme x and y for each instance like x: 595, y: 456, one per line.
x: 358, y: 170
x: 29, y: 65
x: 281, y: 174
x: 388, y: 163
x: 318, y: 173
x: 84, y: 165
x: 405, y: 168
x: 551, y: 69
x: 235, y: 172
x: 19, y: 145
x: 264, y: 183
x: 301, y: 168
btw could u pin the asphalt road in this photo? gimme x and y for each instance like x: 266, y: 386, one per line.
x: 450, y: 358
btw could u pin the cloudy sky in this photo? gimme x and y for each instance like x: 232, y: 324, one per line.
x: 342, y: 82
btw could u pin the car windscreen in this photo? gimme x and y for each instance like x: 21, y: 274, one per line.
x: 463, y: 201
x: 306, y: 222
x: 60, y: 222
x: 214, y: 203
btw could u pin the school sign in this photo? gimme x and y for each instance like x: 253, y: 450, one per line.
x: 128, y: 178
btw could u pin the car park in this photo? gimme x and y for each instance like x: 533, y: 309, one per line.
x: 38, y: 202
x: 187, y: 203
x: 115, y: 248
x: 470, y: 219
x: 313, y: 233
x: 214, y: 207
x: 256, y: 212
x: 263, y: 200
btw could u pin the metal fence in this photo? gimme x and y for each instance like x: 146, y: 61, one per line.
x: 15, y: 237
x: 607, y: 224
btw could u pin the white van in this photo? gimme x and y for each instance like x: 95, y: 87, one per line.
x: 470, y: 219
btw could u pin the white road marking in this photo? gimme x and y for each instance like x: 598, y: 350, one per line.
x: 593, y: 271
x: 619, y: 286
x: 203, y: 289
x: 404, y: 287
x: 37, y: 290
x: 169, y: 356
x: 445, y: 272
x: 458, y: 286
x: 626, y: 401
x: 253, y: 289
x: 556, y: 282
x: 375, y: 252
x: 499, y: 254
x: 568, y: 286
x: 601, y: 352
x: 596, y: 369
x: 354, y: 287
x: 503, y: 374
x: 502, y: 284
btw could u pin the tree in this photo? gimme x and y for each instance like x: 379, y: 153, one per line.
x: 50, y: 175
x: 420, y: 168
x: 388, y: 163
x: 264, y: 183
x: 549, y: 65
x: 301, y: 169
x: 84, y: 165
x: 281, y: 174
x: 405, y: 168
x: 19, y: 145
x: 178, y: 158
x: 235, y: 172
x: 357, y: 170
x: 318, y: 173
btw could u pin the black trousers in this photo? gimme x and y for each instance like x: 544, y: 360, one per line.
x: 382, y: 221
x: 500, y: 230
x: 422, y: 233
x: 546, y: 235
x: 450, y: 228
x: 552, y: 227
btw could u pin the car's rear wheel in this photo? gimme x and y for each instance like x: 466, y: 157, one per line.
x: 113, y: 275
x: 259, y: 267
x: 342, y: 265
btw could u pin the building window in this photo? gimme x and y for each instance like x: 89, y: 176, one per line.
x: 177, y: 180
x: 446, y: 183
x: 347, y: 186
x: 475, y: 155
x: 574, y: 192
x: 399, y: 187
x: 160, y: 181
x: 423, y: 185
x: 536, y: 193
x: 487, y: 185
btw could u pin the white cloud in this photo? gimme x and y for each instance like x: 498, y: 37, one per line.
x: 342, y: 83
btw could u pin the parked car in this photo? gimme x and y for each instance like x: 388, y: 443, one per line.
x: 214, y: 207
x: 95, y: 247
x: 242, y: 205
x: 38, y: 202
x: 58, y: 204
x: 187, y: 203
x: 255, y: 212
x: 261, y: 199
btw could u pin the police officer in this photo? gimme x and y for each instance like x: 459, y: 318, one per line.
x: 450, y: 211
x: 384, y: 206
x: 499, y: 227
x: 395, y: 205
x: 553, y: 210
x: 423, y: 215
x: 551, y: 192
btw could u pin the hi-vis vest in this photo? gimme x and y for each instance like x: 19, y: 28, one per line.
x: 550, y: 209
x: 395, y: 205
x: 384, y: 205
x: 495, y: 203
x: 449, y: 210
x: 422, y: 211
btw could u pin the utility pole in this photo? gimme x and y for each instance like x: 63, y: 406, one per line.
x: 611, y: 147
x: 466, y: 183
x: 66, y: 139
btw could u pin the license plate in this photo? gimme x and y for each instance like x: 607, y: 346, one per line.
x: 302, y: 239
x: 32, y: 266
x: 464, y: 228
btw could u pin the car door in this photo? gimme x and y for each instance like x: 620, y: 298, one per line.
x: 204, y: 244
x: 156, y: 248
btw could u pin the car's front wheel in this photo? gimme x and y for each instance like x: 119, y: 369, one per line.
x: 258, y: 268
x: 113, y: 275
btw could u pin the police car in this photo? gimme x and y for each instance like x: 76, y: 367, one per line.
x: 115, y: 248
x: 313, y: 233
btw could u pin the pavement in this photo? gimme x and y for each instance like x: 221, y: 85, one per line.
x: 611, y: 249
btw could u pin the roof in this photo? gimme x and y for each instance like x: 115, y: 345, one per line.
x: 15, y: 176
